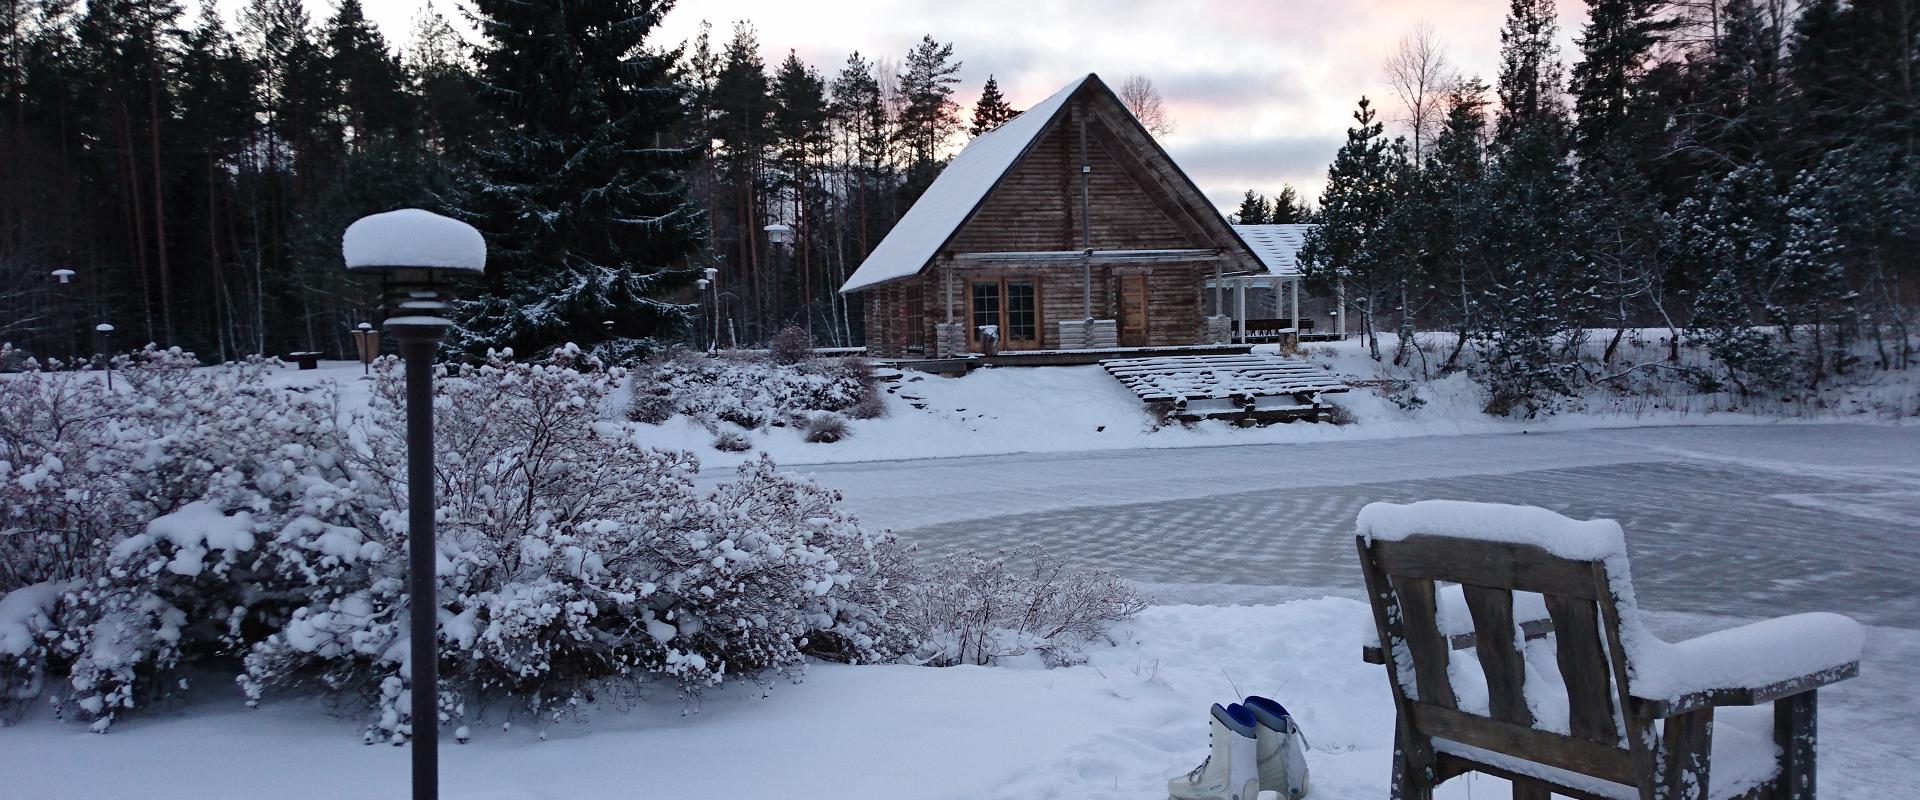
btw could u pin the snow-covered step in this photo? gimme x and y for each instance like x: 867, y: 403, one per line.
x: 1245, y: 386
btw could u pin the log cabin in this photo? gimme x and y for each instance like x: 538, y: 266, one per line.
x: 1066, y: 228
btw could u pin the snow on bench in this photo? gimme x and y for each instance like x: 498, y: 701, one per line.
x: 1239, y: 385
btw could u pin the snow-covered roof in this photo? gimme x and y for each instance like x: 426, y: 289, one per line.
x: 954, y: 195
x: 1277, y: 246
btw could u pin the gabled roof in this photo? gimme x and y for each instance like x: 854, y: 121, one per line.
x: 955, y: 194
x: 1277, y: 246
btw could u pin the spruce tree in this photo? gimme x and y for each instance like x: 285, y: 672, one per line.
x: 1538, y: 298
x: 581, y: 191
x: 991, y: 110
x: 1253, y: 209
x: 1455, y: 201
x: 1288, y: 209
x: 1618, y: 136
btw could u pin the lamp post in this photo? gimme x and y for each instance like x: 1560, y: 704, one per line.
x: 700, y: 296
x: 713, y: 316
x: 102, y: 344
x: 65, y: 276
x: 366, y: 342
x: 414, y: 252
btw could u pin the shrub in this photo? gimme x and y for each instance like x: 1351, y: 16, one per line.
x: 748, y: 390
x: 732, y: 442
x: 970, y: 609
x: 826, y: 428
x: 790, y: 346
x: 574, y: 560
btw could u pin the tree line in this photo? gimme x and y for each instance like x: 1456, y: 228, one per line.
x: 1742, y: 173
x: 195, y: 175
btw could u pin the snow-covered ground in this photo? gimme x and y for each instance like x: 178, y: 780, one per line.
x: 1760, y: 507
x: 1116, y: 727
x: 1068, y: 409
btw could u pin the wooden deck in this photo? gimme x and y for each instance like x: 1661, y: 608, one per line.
x: 1059, y: 358
x: 1248, y: 387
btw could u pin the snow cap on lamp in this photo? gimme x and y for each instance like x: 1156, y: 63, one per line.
x: 413, y: 238
x: 415, y: 250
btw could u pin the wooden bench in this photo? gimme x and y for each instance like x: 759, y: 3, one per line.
x: 1630, y: 718
x: 306, y: 360
x: 1267, y: 330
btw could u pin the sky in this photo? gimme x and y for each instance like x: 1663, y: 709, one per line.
x: 1260, y: 91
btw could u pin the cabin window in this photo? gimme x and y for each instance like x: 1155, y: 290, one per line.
x: 1023, y: 313
x: 1012, y: 305
x: 916, y: 323
x: 986, y: 305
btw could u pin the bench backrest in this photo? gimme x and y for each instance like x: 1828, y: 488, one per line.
x: 1585, y: 615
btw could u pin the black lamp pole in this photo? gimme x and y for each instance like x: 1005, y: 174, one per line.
x: 417, y: 301
x: 418, y: 346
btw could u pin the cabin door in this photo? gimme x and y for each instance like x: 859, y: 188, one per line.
x: 1133, y: 311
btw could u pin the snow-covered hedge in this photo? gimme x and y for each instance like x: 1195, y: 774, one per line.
x: 751, y: 390
x: 200, y: 515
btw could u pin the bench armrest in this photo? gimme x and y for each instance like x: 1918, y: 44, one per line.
x: 1751, y: 664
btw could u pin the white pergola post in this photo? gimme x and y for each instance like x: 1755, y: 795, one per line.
x: 1293, y: 291
x: 1240, y: 307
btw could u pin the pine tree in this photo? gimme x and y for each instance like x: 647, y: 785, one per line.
x: 1350, y: 255
x: 800, y: 145
x: 581, y: 192
x: 930, y: 116
x: 743, y: 137
x: 1253, y: 210
x: 440, y: 70
x: 991, y: 110
x: 367, y: 94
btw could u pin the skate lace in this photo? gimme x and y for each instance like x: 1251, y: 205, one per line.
x: 1194, y: 775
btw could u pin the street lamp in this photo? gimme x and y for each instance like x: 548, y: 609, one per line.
x: 414, y: 252
x: 102, y: 337
x: 779, y: 233
x: 366, y: 342
x: 713, y: 316
x: 700, y: 295
x: 65, y: 276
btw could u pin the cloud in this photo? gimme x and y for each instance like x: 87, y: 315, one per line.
x: 1224, y: 168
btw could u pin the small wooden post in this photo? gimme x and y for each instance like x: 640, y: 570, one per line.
x: 1794, y: 730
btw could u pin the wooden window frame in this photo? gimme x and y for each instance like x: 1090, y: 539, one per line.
x: 1039, y: 313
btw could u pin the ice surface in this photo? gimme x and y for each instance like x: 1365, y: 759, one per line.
x: 412, y: 237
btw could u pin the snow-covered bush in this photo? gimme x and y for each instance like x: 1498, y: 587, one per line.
x: 791, y: 345
x: 749, y: 390
x: 162, y: 513
x: 973, y: 609
x: 826, y: 428
x: 732, y: 442
x: 573, y: 557
x: 241, y: 524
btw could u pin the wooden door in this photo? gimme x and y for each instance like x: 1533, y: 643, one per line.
x: 1133, y: 311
